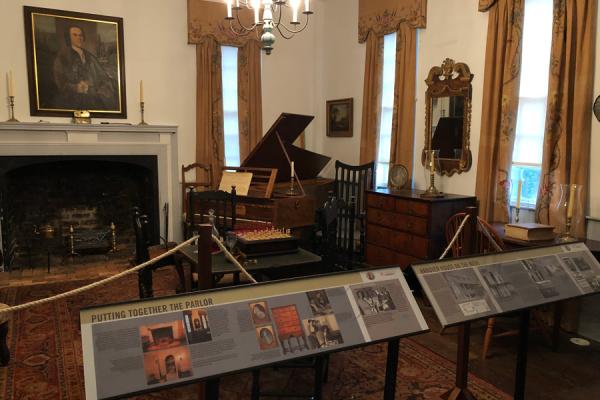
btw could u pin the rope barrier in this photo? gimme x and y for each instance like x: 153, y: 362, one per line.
x: 127, y: 272
x: 233, y: 259
x: 460, y: 228
x: 98, y: 283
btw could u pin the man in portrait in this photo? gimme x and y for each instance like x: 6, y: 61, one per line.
x: 81, y: 80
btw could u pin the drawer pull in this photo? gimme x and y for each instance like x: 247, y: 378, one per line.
x: 409, y: 225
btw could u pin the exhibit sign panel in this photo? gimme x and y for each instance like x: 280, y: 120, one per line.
x: 150, y: 344
x: 470, y: 288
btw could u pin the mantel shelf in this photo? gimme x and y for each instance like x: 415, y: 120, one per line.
x: 113, y: 127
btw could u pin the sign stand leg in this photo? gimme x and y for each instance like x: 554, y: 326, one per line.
x: 389, y: 391
x: 521, y: 369
x: 460, y: 390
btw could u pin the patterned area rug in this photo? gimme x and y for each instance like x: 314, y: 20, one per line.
x: 47, y: 357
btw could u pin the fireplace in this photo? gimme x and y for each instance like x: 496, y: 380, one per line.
x: 80, y: 194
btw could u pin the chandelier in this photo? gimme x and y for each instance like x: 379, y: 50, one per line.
x: 272, y: 18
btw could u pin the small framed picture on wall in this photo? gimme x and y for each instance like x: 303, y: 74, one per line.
x: 340, y: 117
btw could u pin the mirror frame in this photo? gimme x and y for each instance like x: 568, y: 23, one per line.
x: 451, y: 79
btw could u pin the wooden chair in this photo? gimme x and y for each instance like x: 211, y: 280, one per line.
x: 145, y: 251
x: 220, y: 203
x: 336, y: 233
x: 204, y: 181
x: 351, y: 182
x: 488, y: 241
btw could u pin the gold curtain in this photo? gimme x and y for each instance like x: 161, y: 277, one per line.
x: 403, y: 120
x: 207, y: 18
x: 210, y: 148
x: 207, y: 24
x: 378, y: 18
x: 381, y: 17
x: 249, y: 97
x: 371, y: 98
x: 567, y: 138
x: 499, y: 108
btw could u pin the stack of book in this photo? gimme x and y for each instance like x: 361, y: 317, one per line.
x: 529, y: 231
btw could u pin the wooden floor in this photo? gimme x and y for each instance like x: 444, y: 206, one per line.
x: 569, y: 373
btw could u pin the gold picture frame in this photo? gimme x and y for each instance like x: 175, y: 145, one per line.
x: 75, y: 61
x: 340, y: 117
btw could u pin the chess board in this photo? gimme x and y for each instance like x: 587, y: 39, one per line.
x: 264, y: 242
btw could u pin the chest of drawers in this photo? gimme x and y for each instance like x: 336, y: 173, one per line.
x: 403, y: 228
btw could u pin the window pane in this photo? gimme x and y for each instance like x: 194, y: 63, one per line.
x: 530, y: 175
x: 533, y: 97
x: 229, y: 60
x: 387, y: 105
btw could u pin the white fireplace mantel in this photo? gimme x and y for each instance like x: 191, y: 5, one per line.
x: 53, y: 139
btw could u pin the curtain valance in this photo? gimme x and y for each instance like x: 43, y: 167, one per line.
x: 485, y: 5
x: 207, y: 19
x: 381, y: 17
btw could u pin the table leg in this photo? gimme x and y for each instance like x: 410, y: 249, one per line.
x: 4, y: 351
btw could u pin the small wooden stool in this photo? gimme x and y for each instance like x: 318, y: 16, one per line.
x: 4, y: 352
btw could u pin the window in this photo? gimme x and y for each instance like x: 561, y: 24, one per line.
x: 229, y: 61
x: 533, y: 97
x: 384, y: 141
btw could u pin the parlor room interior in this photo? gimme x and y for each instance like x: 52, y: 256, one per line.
x: 319, y: 199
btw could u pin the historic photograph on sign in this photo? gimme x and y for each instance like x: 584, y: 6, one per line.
x: 75, y: 61
x: 289, y: 329
x: 197, y: 328
x: 373, y: 300
x: 167, y: 365
x: 162, y: 336
x: 319, y: 302
x: 323, y: 331
x: 340, y: 118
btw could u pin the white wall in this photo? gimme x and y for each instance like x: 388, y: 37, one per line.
x: 156, y: 51
x: 458, y: 33
x: 342, y: 62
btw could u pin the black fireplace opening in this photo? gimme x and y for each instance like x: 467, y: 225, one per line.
x: 46, y: 200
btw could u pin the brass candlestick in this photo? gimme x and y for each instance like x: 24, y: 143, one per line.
x: 142, y: 112
x: 431, y: 191
x: 113, y: 237
x: 292, y: 190
x: 11, y: 102
x: 567, y: 236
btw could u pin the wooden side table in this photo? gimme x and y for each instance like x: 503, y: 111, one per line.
x: 4, y: 352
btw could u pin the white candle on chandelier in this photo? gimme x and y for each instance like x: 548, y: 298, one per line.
x: 256, y: 6
x: 229, y: 5
x: 237, y: 3
x: 292, y: 172
x: 295, y: 4
x: 306, y: 5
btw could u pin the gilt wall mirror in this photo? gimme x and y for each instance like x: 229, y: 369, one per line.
x: 448, y: 116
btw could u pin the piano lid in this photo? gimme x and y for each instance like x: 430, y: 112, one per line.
x: 276, y: 149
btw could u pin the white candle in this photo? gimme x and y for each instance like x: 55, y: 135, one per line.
x: 432, y: 165
x: 306, y: 5
x: 292, y: 169
x: 519, y: 189
x: 229, y: 14
x: 10, y: 84
x: 295, y: 4
x: 571, y: 200
x: 256, y: 6
x: 141, y: 91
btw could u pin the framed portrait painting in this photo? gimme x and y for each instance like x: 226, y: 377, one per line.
x: 340, y: 117
x: 75, y: 62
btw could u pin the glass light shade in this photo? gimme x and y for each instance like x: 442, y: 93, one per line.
x: 568, y: 211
